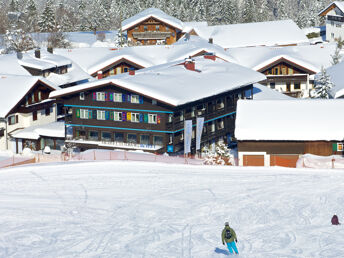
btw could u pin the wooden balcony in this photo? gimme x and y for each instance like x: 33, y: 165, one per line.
x: 335, y: 18
x: 160, y: 35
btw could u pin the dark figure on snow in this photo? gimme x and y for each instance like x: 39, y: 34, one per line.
x: 335, y: 220
x: 229, y: 236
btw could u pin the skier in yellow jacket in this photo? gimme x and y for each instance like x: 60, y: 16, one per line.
x: 229, y: 236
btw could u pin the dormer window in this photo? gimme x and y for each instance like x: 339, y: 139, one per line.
x: 39, y: 96
x: 82, y: 95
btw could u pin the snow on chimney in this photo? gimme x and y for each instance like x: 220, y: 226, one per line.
x: 131, y: 71
x: 100, y: 75
x: 38, y: 53
x: 189, y: 64
x: 210, y: 56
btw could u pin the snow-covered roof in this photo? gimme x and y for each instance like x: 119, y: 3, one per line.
x: 11, y: 65
x: 289, y: 120
x: 312, y: 57
x: 151, y: 12
x: 339, y: 4
x: 14, y: 87
x: 262, y: 92
x: 92, y: 60
x: 188, y: 26
x: 337, y: 77
x: 174, y: 84
x: 270, y: 33
x: 54, y: 129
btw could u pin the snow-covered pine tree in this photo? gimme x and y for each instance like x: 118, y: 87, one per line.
x: 323, y: 86
x: 57, y: 39
x: 30, y: 16
x: 336, y: 57
x: 248, y: 11
x: 18, y: 41
x: 221, y: 156
x: 47, y: 21
x: 14, y: 6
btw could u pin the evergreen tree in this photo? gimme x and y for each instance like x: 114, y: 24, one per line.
x: 248, y: 11
x: 323, y: 86
x: 14, y: 6
x: 336, y: 57
x: 47, y: 22
x: 31, y: 16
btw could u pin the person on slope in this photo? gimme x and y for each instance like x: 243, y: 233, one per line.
x: 335, y: 220
x: 229, y: 236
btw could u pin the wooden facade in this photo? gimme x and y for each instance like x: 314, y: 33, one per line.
x: 88, y: 129
x: 283, y: 153
x: 152, y: 31
x: 120, y: 66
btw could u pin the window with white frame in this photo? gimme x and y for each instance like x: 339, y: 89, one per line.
x: 117, y: 97
x: 135, y: 117
x: 170, y: 118
x: 100, y: 96
x: 152, y: 118
x: 82, y: 96
x: 135, y: 99
x: 212, y: 127
x: 117, y: 116
x: 100, y: 115
x: 83, y: 113
x: 39, y: 95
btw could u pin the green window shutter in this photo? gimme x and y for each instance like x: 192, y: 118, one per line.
x: 146, y: 118
x: 334, y: 146
x: 78, y: 113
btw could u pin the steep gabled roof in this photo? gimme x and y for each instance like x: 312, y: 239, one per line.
x: 338, y: 4
x: 13, y: 89
x: 173, y: 84
x: 151, y: 12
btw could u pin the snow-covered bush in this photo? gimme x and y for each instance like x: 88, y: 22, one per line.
x: 18, y: 41
x: 221, y: 156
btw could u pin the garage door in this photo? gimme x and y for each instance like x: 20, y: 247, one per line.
x: 284, y: 160
x: 253, y: 160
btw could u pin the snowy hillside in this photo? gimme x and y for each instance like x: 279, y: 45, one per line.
x: 124, y: 209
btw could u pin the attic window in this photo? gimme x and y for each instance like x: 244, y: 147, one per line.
x: 82, y: 96
x: 136, y: 28
x: 145, y: 28
x: 154, y: 102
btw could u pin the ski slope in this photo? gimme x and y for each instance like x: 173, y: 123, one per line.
x: 133, y: 209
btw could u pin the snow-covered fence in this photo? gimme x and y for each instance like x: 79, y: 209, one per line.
x: 117, y: 155
x: 15, y: 161
x: 314, y: 161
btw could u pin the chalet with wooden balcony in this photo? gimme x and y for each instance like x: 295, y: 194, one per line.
x: 290, y: 70
x: 278, y: 132
x: 152, y: 26
x: 334, y: 15
x: 146, y: 110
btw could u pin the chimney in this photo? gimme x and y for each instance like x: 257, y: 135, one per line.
x: 210, y: 41
x: 210, y: 56
x: 38, y: 53
x: 131, y: 71
x: 50, y: 50
x: 189, y: 64
x: 100, y: 75
x: 19, y: 55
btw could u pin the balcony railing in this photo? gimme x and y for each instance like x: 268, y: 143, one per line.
x: 335, y: 18
x: 151, y: 35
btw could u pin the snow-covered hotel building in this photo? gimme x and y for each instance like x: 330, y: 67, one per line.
x: 334, y: 14
x: 146, y: 109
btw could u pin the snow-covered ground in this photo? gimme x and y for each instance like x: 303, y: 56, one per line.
x: 133, y: 209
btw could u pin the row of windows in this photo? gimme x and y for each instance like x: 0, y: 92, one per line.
x: 280, y: 71
x: 114, y: 97
x: 118, y: 116
x: 157, y: 28
x: 119, y: 137
x: 297, y: 86
x: 14, y: 119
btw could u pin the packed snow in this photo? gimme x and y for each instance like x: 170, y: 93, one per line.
x: 136, y: 209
